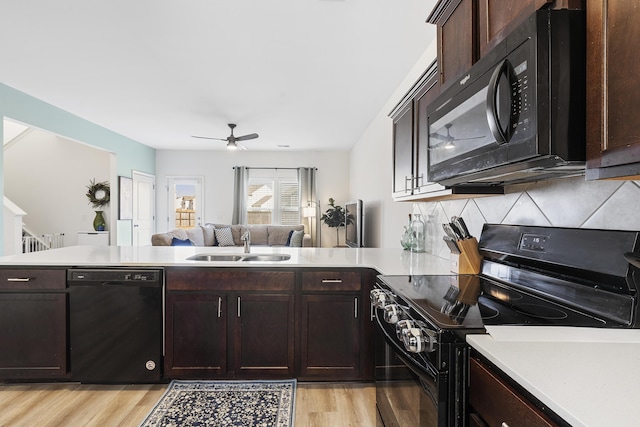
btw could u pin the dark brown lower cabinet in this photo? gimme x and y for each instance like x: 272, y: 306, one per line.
x: 196, y: 335
x: 33, y: 337
x: 33, y: 324
x: 229, y: 323
x: 264, y: 335
x: 496, y: 403
x: 331, y: 331
x: 268, y: 324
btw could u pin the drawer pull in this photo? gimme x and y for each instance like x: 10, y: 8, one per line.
x: 238, y: 306
x: 219, y: 306
x: 331, y: 280
x: 18, y: 279
x: 355, y: 307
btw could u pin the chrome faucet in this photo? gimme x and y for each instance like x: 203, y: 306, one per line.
x: 246, y: 239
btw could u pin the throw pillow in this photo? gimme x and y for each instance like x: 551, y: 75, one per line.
x: 296, y: 239
x: 178, y: 242
x: 224, y: 237
x: 289, y: 239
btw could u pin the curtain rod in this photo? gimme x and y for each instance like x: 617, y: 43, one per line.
x: 255, y: 167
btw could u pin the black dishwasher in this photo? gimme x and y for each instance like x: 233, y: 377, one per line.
x: 115, y: 323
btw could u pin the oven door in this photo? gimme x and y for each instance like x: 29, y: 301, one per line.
x: 410, y: 392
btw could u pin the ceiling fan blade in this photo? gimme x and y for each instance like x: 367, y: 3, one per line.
x: 439, y: 136
x: 466, y: 139
x: 247, y: 137
x: 208, y: 137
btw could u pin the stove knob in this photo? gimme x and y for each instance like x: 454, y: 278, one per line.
x: 392, y: 313
x: 419, y: 341
x: 379, y: 298
x: 403, y: 327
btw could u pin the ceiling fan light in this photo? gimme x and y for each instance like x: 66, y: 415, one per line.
x: 232, y: 146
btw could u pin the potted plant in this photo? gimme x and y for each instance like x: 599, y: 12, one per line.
x: 336, y: 217
x: 99, y: 194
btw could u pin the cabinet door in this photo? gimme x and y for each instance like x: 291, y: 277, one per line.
x: 33, y: 336
x: 196, y: 335
x: 497, y: 403
x: 403, y: 152
x: 331, y: 337
x: 264, y: 335
x: 456, y: 40
x: 613, y: 122
x: 496, y: 19
x: 425, y: 95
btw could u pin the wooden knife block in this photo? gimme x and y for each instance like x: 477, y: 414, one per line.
x: 469, y: 259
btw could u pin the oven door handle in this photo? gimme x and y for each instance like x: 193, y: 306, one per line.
x: 502, y: 135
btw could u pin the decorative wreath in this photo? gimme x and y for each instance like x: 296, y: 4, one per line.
x: 98, y: 193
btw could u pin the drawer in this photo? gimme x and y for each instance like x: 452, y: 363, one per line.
x: 498, y: 403
x: 331, y: 280
x: 32, y: 279
x: 204, y: 279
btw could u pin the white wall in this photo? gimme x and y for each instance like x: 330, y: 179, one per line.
x: 570, y: 202
x: 217, y: 169
x: 47, y: 176
x: 371, y: 169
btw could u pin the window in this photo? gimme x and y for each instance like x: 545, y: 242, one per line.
x: 273, y: 197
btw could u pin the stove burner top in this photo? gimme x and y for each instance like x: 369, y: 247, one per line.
x: 461, y: 302
x: 487, y: 312
x: 540, y: 311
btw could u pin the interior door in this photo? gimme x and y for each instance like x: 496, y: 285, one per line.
x: 143, y: 208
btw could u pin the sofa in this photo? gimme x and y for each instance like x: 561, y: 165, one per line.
x: 231, y: 235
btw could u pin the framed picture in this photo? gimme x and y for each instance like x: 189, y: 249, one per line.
x: 126, y: 197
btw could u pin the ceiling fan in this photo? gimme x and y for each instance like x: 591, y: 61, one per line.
x: 232, y: 140
x: 447, y: 140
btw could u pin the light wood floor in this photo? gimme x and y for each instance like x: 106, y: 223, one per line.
x: 71, y: 405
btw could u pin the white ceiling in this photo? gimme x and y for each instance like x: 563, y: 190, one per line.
x: 311, y: 74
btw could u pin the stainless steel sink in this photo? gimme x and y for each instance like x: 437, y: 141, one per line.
x: 235, y: 257
x: 267, y: 257
x: 215, y: 257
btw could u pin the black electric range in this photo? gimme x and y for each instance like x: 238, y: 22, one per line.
x: 543, y: 276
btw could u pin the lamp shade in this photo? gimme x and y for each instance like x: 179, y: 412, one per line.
x: 309, y: 212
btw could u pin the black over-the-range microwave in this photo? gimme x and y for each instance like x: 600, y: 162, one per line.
x: 518, y: 115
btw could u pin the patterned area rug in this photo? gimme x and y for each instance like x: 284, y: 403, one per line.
x: 225, y: 403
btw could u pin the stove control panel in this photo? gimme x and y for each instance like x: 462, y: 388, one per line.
x: 533, y: 242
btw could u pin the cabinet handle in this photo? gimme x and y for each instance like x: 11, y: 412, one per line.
x: 18, y: 279
x: 372, y: 314
x: 504, y: 424
x: 238, y: 306
x: 407, y: 179
x: 355, y: 307
x: 219, y: 306
x: 419, y: 181
x: 331, y: 280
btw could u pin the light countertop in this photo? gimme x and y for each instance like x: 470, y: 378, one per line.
x: 385, y: 261
x: 589, y: 377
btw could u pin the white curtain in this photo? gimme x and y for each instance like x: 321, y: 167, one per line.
x: 240, y: 179
x: 308, y: 198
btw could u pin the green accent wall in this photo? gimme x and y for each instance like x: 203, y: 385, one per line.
x: 130, y: 154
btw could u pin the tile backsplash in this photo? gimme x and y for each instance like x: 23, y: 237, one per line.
x: 569, y: 202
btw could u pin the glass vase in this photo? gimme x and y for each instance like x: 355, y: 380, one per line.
x: 407, y: 237
x: 418, y: 228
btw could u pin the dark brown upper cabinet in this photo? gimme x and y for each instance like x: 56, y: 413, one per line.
x: 613, y: 125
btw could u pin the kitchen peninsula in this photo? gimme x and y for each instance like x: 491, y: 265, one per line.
x: 564, y: 391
